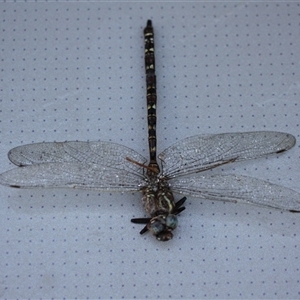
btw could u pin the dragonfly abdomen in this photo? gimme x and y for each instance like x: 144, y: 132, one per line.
x: 151, y: 89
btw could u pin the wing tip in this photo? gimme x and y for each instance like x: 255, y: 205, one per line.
x: 287, y: 142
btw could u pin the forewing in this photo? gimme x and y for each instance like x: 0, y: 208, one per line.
x: 105, y: 154
x: 72, y: 175
x: 203, y: 152
x: 236, y: 188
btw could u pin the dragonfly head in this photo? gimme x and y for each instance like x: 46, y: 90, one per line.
x: 162, y: 225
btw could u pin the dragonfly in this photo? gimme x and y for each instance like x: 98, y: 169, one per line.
x: 107, y: 166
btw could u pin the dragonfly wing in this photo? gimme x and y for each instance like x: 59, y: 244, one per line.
x: 203, y: 152
x: 72, y: 175
x: 102, y: 153
x: 236, y: 188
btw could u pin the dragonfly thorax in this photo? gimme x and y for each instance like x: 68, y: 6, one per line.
x: 159, y: 202
x: 158, y: 197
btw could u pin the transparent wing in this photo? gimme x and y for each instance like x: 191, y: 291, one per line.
x: 90, y: 165
x: 236, y: 188
x: 203, y: 152
x: 72, y: 175
x: 105, y: 154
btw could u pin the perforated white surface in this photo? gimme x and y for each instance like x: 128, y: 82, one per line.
x: 75, y: 71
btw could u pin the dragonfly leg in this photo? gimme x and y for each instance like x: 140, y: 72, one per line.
x: 180, y: 202
x: 140, y: 220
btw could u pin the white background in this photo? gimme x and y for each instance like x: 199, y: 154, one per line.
x: 75, y: 71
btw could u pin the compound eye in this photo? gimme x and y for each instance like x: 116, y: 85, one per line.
x: 171, y: 221
x: 156, y: 227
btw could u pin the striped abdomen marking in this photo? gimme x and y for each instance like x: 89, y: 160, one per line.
x: 151, y: 89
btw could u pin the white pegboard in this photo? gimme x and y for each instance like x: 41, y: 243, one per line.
x: 74, y: 71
